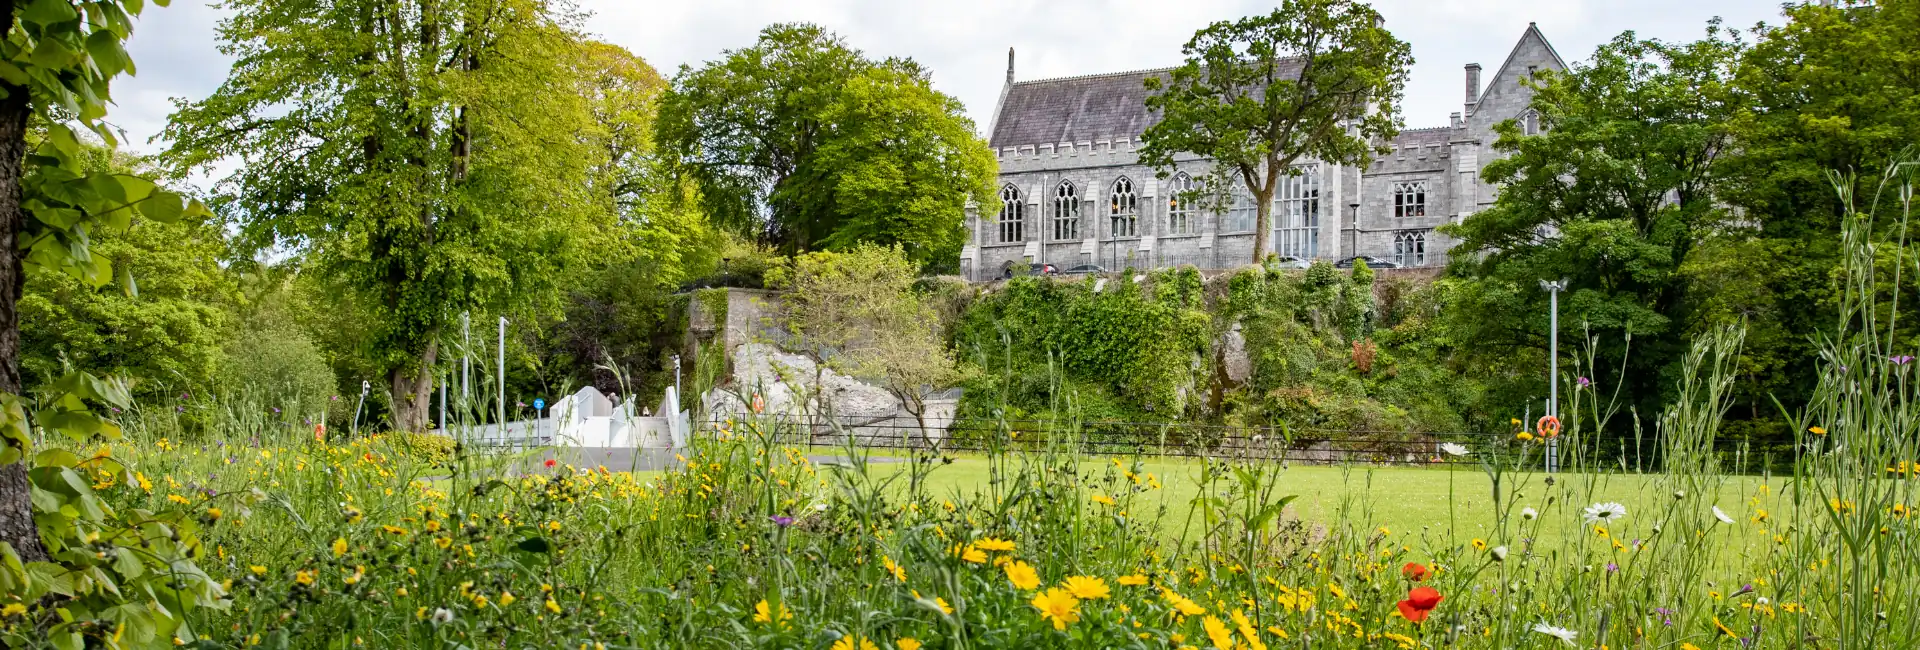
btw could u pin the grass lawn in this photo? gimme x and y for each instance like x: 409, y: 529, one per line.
x: 1455, y: 500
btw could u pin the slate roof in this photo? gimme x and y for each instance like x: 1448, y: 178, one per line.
x: 1076, y: 109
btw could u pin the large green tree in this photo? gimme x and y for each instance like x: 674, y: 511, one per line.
x: 802, y: 142
x: 433, y: 156
x: 1830, y: 89
x: 1314, y: 80
x: 1612, y: 196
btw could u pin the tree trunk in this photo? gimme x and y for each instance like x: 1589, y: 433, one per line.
x: 1262, y: 223
x: 413, y: 393
x: 16, y: 504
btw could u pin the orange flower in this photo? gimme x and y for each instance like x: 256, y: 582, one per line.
x: 1415, y: 571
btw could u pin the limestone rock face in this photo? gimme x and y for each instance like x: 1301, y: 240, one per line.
x: 781, y: 378
x: 1233, y: 349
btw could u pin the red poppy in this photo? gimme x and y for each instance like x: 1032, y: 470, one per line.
x: 549, y: 462
x: 1415, y: 571
x: 1420, y: 600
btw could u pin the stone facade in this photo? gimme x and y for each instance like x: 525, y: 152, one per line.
x: 1077, y: 194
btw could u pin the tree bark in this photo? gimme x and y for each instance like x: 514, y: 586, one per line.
x: 413, y: 393
x: 16, y: 504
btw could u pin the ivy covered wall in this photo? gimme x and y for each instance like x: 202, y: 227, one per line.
x: 1322, y: 351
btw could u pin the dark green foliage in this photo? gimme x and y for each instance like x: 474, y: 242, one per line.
x: 804, y: 143
x: 1126, y: 351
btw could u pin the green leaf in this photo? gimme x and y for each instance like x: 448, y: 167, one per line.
x: 165, y: 207
x: 104, y: 46
x: 48, y: 12
x: 12, y: 74
x: 127, y: 285
x: 56, y: 458
x: 535, y: 545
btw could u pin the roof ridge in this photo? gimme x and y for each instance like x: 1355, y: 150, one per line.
x: 1095, y: 75
x: 1427, y: 128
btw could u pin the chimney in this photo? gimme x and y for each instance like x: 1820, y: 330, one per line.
x: 1009, y: 65
x: 1473, y: 84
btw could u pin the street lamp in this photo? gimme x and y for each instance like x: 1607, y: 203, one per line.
x: 1553, y: 290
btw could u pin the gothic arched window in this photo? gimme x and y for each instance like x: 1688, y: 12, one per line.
x: 1181, y: 214
x: 1066, y: 212
x: 1410, y: 248
x: 1013, y: 213
x: 1124, y: 209
x: 1530, y: 122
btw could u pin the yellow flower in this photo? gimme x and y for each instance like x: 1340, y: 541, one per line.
x: 213, y: 513
x: 1523, y: 436
x: 847, y: 643
x: 339, y: 546
x: 1818, y: 431
x: 1479, y: 544
x: 993, y: 544
x: 893, y: 569
x: 1217, y: 631
x: 1103, y: 499
x: 1134, y: 580
x: 506, y: 598
x: 303, y: 577
x: 552, y: 606
x: 12, y: 610
x: 1087, y: 587
x: 974, y: 555
x: 763, y: 613
x: 1185, y: 606
x: 178, y: 499
x: 442, y: 542
x: 1058, y: 606
x: 1689, y: 646
x: 907, y: 643
x: 479, y: 600
x: 257, y: 569
x: 1023, y: 576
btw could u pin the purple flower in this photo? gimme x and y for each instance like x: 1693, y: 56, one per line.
x: 186, y: 395
x: 1613, y: 568
x: 783, y: 521
x: 1583, y: 382
x: 520, y: 404
x: 1901, y: 360
x: 180, y: 409
x: 335, y: 398
x: 276, y: 410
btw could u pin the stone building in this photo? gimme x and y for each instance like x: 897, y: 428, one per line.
x: 1075, y: 192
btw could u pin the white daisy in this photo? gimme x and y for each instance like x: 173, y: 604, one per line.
x: 1721, y: 515
x: 1529, y: 514
x: 1560, y: 633
x: 1601, y: 513
x: 442, y: 615
x: 1453, y: 449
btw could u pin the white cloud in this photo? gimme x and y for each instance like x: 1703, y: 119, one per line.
x: 964, y: 42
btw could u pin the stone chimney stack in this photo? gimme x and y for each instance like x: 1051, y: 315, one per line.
x: 1473, y: 85
x: 1009, y: 65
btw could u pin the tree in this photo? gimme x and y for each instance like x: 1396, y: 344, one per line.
x: 803, y: 143
x: 1829, y: 89
x: 860, y: 313
x: 56, y: 69
x: 434, y: 157
x: 1614, y: 195
x: 1315, y: 80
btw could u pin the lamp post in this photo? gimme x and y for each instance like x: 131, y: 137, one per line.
x: 676, y: 383
x: 1553, y: 290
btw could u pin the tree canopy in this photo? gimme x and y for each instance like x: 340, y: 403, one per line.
x: 438, y: 160
x: 802, y: 142
x: 1314, y: 80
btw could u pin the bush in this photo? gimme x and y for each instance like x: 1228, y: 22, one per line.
x: 422, y: 448
x: 282, y: 363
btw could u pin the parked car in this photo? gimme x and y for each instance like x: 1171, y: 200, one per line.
x: 1086, y: 269
x: 1288, y: 262
x: 1031, y: 269
x: 1372, y: 263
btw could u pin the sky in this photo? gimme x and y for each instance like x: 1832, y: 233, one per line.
x: 964, y: 42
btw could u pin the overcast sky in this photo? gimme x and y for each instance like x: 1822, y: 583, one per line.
x: 964, y: 42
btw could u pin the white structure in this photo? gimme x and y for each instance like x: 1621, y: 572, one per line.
x: 587, y: 420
